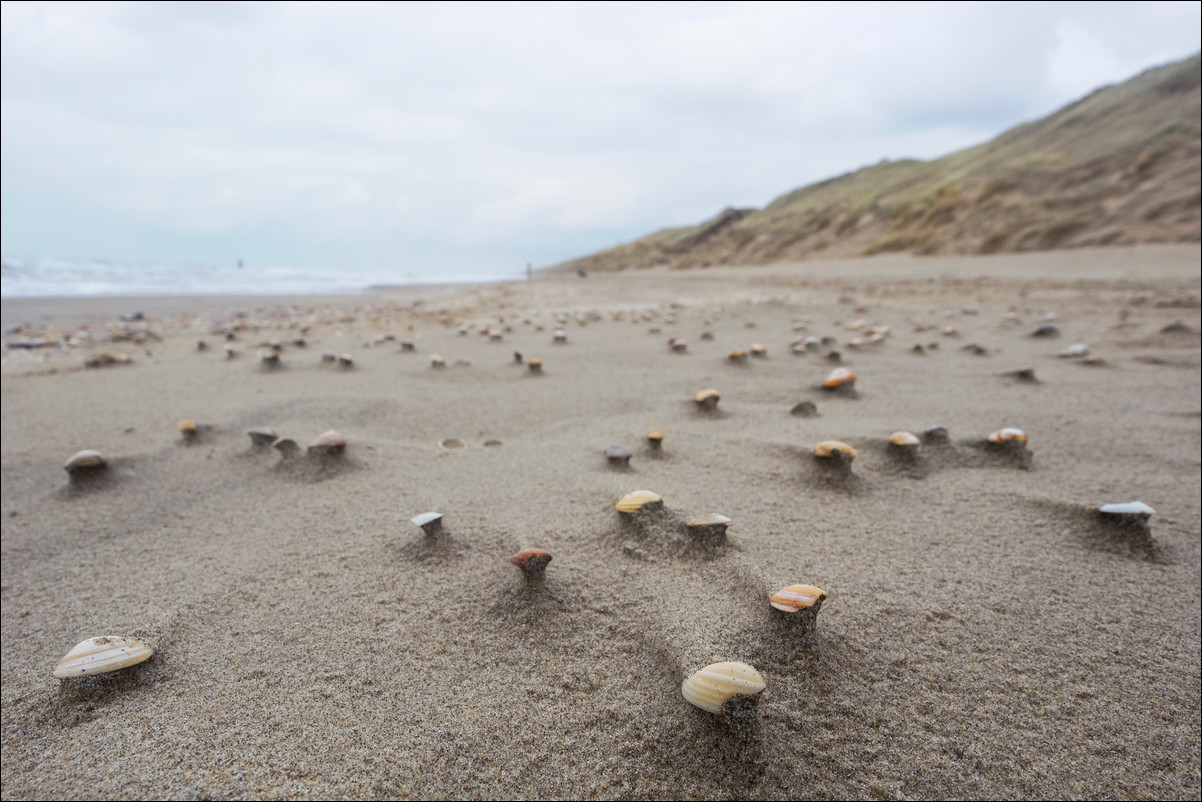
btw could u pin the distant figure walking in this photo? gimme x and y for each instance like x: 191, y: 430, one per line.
x: 529, y: 270
x: 581, y: 273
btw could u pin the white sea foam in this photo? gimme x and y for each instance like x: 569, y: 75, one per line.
x: 26, y: 278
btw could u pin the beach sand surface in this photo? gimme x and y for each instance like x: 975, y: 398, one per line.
x: 987, y: 634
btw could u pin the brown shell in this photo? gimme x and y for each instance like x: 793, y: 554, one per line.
x: 531, y: 560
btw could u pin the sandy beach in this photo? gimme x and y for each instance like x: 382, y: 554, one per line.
x: 987, y: 634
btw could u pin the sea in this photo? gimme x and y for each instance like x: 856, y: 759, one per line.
x: 42, y: 277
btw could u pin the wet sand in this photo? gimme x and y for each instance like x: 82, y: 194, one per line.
x: 986, y: 635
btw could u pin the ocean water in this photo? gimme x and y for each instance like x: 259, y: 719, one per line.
x: 32, y: 278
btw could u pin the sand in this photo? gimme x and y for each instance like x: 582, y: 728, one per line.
x: 986, y: 634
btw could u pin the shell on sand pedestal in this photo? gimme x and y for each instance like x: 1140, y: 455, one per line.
x: 639, y: 500
x: 707, y: 399
x: 101, y: 655
x: 1133, y: 510
x: 327, y: 444
x: 834, y: 448
x: 840, y: 377
x: 798, y: 597
x: 711, y: 687
x: 1008, y: 435
x: 87, y: 460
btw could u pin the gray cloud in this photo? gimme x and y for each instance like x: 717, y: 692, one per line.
x: 465, y: 137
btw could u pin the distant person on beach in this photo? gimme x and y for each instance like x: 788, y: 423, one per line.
x: 582, y: 274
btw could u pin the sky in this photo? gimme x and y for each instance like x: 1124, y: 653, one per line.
x: 447, y: 140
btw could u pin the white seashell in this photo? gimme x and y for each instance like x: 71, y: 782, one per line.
x: 101, y: 655
x: 430, y: 522
x: 711, y: 687
x: 1127, y: 508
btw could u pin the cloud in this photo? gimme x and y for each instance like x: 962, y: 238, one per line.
x: 483, y: 132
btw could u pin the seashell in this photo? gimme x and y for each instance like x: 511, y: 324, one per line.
x: 408, y: 345
x: 678, y: 344
x: 737, y: 355
x: 101, y: 655
x: 429, y: 522
x: 711, y: 687
x: 834, y: 448
x: 804, y: 409
x: 617, y: 454
x: 903, y: 440
x: 532, y: 561
x: 855, y: 342
x: 286, y: 446
x: 345, y: 361
x: 1024, y: 375
x: 840, y: 377
x: 758, y: 350
x: 1046, y: 330
x: 951, y: 331
x: 329, y: 443
x: 707, y: 399
x: 262, y: 436
x: 188, y: 429
x: 935, y: 434
x: 798, y: 597
x: 655, y: 437
x: 270, y: 359
x: 709, y: 528
x: 87, y: 461
x: 1093, y: 360
x: 559, y: 337
x: 1008, y: 435
x: 854, y: 325
x: 1133, y: 510
x: 1075, y: 351
x: 534, y: 365
x: 437, y: 362
x: 640, y: 500
x: 450, y: 443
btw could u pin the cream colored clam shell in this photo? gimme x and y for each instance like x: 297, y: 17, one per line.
x: 711, y: 687
x: 633, y: 502
x: 101, y: 655
x: 1008, y: 434
x: 904, y: 439
x: 1127, y: 508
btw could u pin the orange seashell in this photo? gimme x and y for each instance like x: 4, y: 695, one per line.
x: 903, y: 439
x: 832, y: 448
x: 839, y: 377
x: 798, y: 597
x: 1008, y: 435
x: 707, y: 399
x: 656, y: 435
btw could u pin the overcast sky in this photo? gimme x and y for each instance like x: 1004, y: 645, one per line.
x: 467, y: 139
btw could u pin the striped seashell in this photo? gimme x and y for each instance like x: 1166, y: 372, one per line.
x: 639, y: 500
x: 798, y: 597
x: 101, y: 655
x: 711, y: 687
